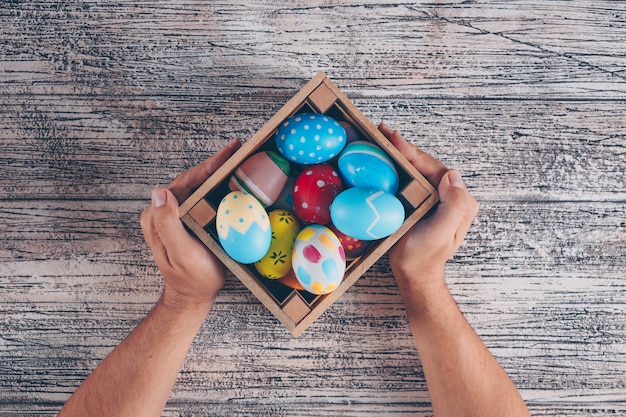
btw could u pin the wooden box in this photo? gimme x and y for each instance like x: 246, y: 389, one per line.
x: 297, y: 309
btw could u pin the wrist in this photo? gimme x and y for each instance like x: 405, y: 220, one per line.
x: 185, y: 304
x: 419, y: 278
x: 421, y: 290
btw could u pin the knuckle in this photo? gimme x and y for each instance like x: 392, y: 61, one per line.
x: 144, y: 219
x: 160, y: 222
x: 474, y: 206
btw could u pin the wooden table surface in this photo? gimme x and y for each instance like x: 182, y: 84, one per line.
x: 101, y: 101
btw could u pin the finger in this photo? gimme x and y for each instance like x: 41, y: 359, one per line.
x: 456, y: 181
x: 177, y: 243
x: 185, y: 183
x: 430, y: 167
x: 152, y: 237
x: 457, y: 208
x: 146, y: 225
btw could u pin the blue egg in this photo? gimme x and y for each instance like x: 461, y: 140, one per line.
x: 363, y: 164
x: 310, y: 138
x: 243, y: 227
x: 367, y: 213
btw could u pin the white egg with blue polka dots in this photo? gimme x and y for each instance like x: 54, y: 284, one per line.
x: 309, y: 138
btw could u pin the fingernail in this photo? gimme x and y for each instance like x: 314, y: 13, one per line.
x: 455, y: 179
x: 384, y: 125
x: 159, y: 197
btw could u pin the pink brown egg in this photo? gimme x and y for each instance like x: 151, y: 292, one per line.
x: 263, y: 175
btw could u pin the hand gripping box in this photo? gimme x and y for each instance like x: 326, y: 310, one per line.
x: 297, y: 309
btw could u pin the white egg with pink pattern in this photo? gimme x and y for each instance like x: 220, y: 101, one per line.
x: 318, y: 260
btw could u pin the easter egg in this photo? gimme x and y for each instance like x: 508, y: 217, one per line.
x: 351, y: 246
x: 291, y: 281
x: 263, y: 175
x: 352, y: 133
x: 277, y: 261
x: 318, y: 259
x: 243, y: 227
x: 285, y: 199
x: 309, y: 138
x: 367, y: 213
x: 314, y: 190
x: 364, y: 164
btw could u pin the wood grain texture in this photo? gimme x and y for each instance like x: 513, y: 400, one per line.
x: 100, y: 101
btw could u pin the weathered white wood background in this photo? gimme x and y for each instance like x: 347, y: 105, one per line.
x: 100, y: 101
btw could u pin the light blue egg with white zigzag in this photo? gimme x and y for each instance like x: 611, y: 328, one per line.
x: 366, y: 213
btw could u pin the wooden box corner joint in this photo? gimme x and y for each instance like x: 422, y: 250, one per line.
x: 414, y: 194
x: 322, y: 98
x: 296, y: 308
x: 203, y: 212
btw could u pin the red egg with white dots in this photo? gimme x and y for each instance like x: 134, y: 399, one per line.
x: 314, y: 191
x: 352, y: 247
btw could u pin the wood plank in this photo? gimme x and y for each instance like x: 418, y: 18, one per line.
x: 168, y: 49
x: 60, y: 240
x: 101, y: 101
x: 520, y: 150
x: 523, y: 284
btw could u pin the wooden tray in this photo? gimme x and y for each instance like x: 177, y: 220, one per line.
x: 297, y: 309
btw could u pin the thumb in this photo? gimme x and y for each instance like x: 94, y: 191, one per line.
x: 452, y: 197
x: 457, y: 207
x: 168, y: 226
x: 451, y: 186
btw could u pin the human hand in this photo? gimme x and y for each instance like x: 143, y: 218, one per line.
x: 192, y: 274
x: 418, y: 259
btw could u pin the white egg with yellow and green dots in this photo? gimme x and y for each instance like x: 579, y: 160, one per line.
x: 318, y: 260
x: 243, y: 227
